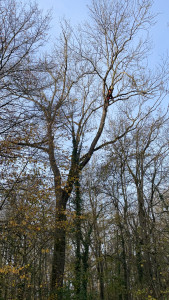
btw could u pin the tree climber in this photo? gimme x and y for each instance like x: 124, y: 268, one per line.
x: 109, y: 95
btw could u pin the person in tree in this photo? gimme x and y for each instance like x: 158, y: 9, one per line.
x: 109, y: 95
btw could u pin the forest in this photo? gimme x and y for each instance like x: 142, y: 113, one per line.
x: 84, y: 155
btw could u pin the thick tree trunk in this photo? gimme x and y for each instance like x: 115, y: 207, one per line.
x: 58, y: 262
x: 60, y: 232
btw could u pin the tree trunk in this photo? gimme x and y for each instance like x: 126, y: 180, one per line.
x: 85, y: 258
x: 58, y: 262
x: 78, y: 239
x: 60, y: 218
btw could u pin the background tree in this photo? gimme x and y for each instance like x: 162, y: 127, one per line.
x: 23, y: 31
x: 140, y: 160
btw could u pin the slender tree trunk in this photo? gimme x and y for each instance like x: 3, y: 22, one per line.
x: 85, y: 258
x: 139, y: 259
x: 145, y: 239
x: 1, y: 276
x: 101, y: 277
x: 22, y: 285
x: 78, y: 271
x: 124, y: 263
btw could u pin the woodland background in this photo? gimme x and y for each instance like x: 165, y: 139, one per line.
x: 84, y: 181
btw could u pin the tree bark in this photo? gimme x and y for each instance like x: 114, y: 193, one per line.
x: 58, y: 262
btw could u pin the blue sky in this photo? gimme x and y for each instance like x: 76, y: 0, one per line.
x: 73, y: 10
x: 160, y: 32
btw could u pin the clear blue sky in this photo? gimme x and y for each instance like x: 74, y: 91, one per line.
x: 160, y: 32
